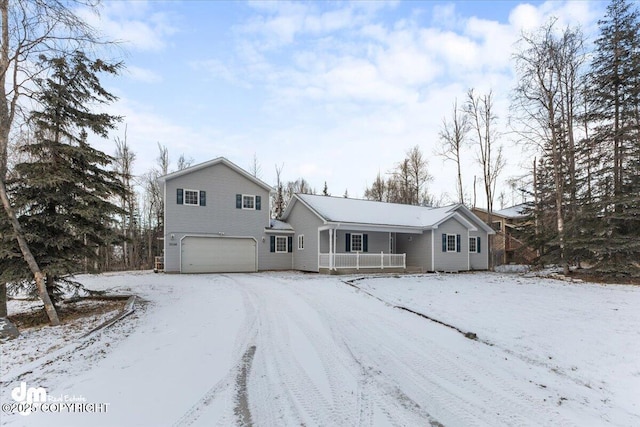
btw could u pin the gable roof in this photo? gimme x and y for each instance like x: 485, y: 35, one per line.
x: 219, y: 160
x: 355, y: 211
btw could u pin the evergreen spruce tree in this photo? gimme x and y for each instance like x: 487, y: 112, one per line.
x: 63, y: 191
x: 613, y: 95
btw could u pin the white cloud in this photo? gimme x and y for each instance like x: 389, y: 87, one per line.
x: 143, y: 75
x: 345, y: 82
x: 131, y: 23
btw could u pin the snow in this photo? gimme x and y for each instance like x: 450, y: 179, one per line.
x: 357, y: 211
x: 516, y: 211
x: 292, y: 348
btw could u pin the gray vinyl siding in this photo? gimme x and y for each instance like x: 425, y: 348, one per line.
x: 274, y: 260
x: 451, y: 261
x: 305, y: 222
x: 478, y: 261
x: 219, y: 217
x: 418, y: 250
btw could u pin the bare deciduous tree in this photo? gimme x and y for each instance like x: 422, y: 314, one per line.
x: 483, y: 122
x: 452, y: 138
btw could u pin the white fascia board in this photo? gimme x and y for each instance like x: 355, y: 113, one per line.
x: 277, y: 231
x: 213, y: 162
x: 459, y: 218
x: 350, y: 226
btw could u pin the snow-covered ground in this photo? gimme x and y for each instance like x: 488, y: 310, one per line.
x: 292, y: 349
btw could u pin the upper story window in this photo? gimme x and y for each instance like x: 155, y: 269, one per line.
x: 248, y: 202
x: 191, y: 197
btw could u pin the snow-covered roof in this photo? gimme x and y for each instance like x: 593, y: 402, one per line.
x: 275, y: 224
x: 516, y: 211
x: 356, y: 211
x: 224, y: 161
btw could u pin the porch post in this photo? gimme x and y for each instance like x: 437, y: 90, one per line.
x: 335, y: 244
x: 381, y: 260
x: 330, y: 249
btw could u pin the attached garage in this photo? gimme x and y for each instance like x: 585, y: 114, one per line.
x: 201, y: 254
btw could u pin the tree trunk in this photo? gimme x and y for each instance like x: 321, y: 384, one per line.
x: 28, y: 257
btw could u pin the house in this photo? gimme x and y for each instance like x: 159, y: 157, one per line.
x: 336, y: 233
x: 217, y: 220
x: 508, y: 246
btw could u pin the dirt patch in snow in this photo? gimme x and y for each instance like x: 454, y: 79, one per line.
x: 242, y: 396
x: 33, y: 315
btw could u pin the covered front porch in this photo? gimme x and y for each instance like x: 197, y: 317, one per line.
x: 345, y: 248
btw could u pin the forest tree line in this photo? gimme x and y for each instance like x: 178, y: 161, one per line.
x: 70, y: 208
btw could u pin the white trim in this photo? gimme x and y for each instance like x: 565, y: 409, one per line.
x: 475, y: 245
x: 286, y: 244
x: 300, y: 240
x: 254, y: 202
x: 455, y: 242
x: 361, y: 242
x: 468, y: 251
x: 184, y: 197
x: 213, y: 162
x: 433, y: 252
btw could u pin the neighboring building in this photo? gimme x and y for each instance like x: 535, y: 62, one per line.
x: 217, y: 220
x: 508, y: 245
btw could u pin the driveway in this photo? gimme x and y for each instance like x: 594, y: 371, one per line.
x: 290, y: 349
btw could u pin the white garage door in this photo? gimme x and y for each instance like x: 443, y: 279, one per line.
x: 218, y: 255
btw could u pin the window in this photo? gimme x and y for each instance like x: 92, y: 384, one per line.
x: 451, y: 243
x: 356, y: 242
x: 248, y: 202
x: 497, y: 225
x: 281, y: 244
x: 191, y: 197
x: 300, y: 241
x: 472, y: 244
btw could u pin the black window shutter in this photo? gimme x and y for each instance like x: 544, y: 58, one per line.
x: 365, y: 243
x: 457, y: 243
x: 203, y: 198
x: 290, y: 244
x: 347, y: 239
x: 478, y: 244
x: 272, y: 243
x: 444, y: 243
x: 238, y: 201
x: 258, y: 202
x: 180, y: 196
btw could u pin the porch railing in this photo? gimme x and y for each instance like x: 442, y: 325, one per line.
x: 359, y: 260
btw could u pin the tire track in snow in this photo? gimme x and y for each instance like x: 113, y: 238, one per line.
x: 450, y: 375
x: 305, y: 398
x: 399, y: 408
x: 244, y: 349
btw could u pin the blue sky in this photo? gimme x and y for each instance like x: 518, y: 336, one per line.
x: 334, y: 91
